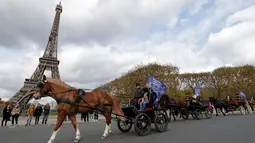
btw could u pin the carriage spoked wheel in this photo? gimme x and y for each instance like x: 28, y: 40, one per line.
x: 125, y: 126
x: 185, y: 114
x: 142, y: 124
x: 167, y: 115
x: 198, y: 114
x: 208, y: 113
x: 193, y: 114
x: 242, y: 110
x: 161, y: 122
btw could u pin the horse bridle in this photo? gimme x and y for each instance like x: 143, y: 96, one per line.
x: 42, y: 85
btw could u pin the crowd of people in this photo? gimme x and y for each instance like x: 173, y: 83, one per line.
x: 12, y: 114
x: 92, y: 116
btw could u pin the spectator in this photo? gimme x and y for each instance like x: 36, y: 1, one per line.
x: 85, y: 117
x: 91, y: 115
x: 38, y: 113
x: 15, y: 115
x: 96, y: 115
x: 46, y: 112
x: 30, y: 113
x: 82, y: 116
x: 6, y: 115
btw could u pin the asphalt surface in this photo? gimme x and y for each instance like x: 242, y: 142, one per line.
x: 229, y: 129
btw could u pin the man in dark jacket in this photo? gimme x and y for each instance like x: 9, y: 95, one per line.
x: 38, y: 113
x: 46, y: 112
x: 138, y: 94
x: 6, y: 115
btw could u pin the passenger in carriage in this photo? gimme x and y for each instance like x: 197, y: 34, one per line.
x: 138, y: 94
x: 229, y: 97
x: 144, y: 101
x: 195, y: 100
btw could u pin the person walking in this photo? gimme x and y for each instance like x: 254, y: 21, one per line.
x: 30, y: 113
x: 6, y: 115
x: 15, y: 115
x: 83, y: 117
x: 91, y: 116
x: 38, y: 113
x: 96, y: 115
x: 46, y: 112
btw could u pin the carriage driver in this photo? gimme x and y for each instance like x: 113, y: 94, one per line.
x: 138, y: 94
x: 194, y: 98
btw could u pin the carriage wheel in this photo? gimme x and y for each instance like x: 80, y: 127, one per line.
x: 242, y: 110
x: 208, y: 113
x: 142, y: 124
x: 198, y: 114
x: 185, y: 114
x: 161, y: 122
x: 124, y: 126
x: 193, y: 114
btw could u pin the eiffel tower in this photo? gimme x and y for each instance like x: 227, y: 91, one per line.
x: 48, y: 61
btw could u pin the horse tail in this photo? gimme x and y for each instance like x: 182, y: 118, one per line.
x: 116, y: 107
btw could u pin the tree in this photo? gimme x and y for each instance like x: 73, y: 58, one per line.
x: 191, y: 80
x: 243, y: 78
x: 219, y: 81
x: 124, y: 87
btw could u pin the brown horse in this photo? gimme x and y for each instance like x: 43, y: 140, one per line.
x: 71, y: 100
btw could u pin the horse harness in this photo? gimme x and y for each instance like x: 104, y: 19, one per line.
x: 78, y: 99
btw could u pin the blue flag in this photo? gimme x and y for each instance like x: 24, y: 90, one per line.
x: 242, y: 95
x: 157, y: 86
x: 197, y: 90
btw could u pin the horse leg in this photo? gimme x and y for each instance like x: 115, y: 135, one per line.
x: 216, y: 110
x: 75, y: 126
x: 60, y: 120
x: 108, y: 125
x: 222, y: 112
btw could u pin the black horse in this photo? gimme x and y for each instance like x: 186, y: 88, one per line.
x: 219, y: 104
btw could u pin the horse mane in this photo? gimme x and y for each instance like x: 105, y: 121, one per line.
x: 58, y: 82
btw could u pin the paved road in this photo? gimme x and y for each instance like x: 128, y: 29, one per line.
x: 229, y: 129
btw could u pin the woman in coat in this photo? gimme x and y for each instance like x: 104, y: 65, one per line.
x: 6, y: 115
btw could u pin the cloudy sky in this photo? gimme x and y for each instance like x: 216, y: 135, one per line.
x: 102, y: 39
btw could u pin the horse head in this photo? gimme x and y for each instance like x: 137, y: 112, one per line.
x: 42, y: 89
x: 212, y: 100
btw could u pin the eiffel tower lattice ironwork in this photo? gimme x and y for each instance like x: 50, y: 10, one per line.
x: 48, y: 61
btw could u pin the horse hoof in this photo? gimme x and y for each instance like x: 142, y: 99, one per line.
x: 50, y: 141
x: 76, y: 140
x: 103, y: 137
x: 110, y: 132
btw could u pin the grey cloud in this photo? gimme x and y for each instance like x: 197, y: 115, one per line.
x: 23, y: 21
x: 31, y: 21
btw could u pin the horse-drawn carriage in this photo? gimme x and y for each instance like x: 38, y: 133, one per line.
x: 142, y: 120
x: 238, y: 103
x: 196, y: 108
x: 187, y: 106
x: 71, y: 99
